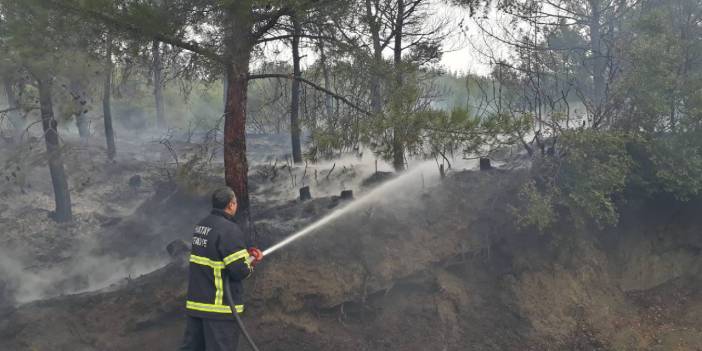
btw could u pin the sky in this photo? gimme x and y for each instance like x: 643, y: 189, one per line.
x: 465, y: 49
x: 462, y: 46
x: 460, y: 54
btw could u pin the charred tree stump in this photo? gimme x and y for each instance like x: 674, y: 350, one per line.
x: 305, y: 193
x: 346, y: 195
x: 178, y: 249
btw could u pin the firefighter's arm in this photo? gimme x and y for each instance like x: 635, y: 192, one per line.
x: 235, y: 256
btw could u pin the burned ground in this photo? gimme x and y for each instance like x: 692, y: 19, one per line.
x: 429, y: 266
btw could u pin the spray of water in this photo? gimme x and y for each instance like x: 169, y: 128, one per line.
x: 418, y: 176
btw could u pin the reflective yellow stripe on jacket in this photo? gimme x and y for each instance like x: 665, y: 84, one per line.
x: 206, y: 261
x: 217, y: 266
x: 204, y: 307
x: 241, y: 254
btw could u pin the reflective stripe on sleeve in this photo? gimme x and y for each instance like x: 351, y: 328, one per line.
x: 205, y: 307
x: 237, y: 256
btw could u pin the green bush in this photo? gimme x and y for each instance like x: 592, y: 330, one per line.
x: 584, y: 173
x: 677, y: 164
x: 590, y: 169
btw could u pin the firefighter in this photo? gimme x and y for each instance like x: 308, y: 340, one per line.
x: 218, y: 249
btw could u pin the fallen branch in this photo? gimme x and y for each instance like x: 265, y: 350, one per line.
x: 304, y: 174
x: 330, y: 171
x: 289, y: 163
x: 313, y: 85
x: 10, y: 109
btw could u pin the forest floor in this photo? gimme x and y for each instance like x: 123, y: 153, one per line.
x: 426, y: 264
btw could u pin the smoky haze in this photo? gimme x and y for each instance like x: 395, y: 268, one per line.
x: 525, y: 174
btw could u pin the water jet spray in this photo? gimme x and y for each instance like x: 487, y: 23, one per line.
x: 350, y: 207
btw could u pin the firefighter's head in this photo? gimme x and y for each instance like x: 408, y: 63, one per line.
x: 224, y: 199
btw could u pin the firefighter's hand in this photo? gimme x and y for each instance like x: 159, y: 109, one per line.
x: 256, y: 255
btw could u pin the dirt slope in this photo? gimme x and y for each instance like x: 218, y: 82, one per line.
x: 440, y: 268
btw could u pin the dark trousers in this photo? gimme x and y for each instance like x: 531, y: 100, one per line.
x: 210, y: 335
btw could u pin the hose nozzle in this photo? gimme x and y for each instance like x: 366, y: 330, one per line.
x: 256, y: 255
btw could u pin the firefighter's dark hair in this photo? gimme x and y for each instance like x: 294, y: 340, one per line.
x: 221, y: 198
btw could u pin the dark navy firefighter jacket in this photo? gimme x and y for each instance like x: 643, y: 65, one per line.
x: 218, y: 249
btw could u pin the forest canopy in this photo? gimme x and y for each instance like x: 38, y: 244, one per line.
x: 602, y: 97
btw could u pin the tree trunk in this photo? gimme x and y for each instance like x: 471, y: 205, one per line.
x: 106, y: 97
x: 235, y: 163
x: 599, y: 62
x: 62, y: 195
x: 225, y: 87
x: 295, y: 94
x: 397, y: 52
x: 238, y: 44
x: 158, y: 83
x: 398, y: 152
x: 376, y: 97
x: 15, y: 116
x: 398, y: 148
x: 80, y: 106
x: 328, y: 99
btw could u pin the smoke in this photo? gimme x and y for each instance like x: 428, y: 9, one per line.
x: 100, y: 192
x: 40, y: 258
x: 329, y: 178
x: 395, y: 186
x: 22, y: 283
x: 325, y: 178
x: 395, y: 195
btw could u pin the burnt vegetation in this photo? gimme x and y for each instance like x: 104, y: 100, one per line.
x: 541, y: 194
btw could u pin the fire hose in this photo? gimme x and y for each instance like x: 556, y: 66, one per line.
x: 232, y: 305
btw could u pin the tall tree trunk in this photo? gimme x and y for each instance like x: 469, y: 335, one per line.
x: 397, y: 52
x: 106, y: 97
x: 398, y: 149
x: 328, y: 99
x: 238, y: 45
x: 295, y: 94
x: 225, y: 87
x: 62, y: 195
x: 599, y: 61
x: 80, y: 106
x: 158, y: 83
x: 235, y: 162
x: 374, y: 26
x: 15, y: 116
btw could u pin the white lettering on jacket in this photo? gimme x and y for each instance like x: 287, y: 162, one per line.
x: 202, y: 230
x: 199, y: 241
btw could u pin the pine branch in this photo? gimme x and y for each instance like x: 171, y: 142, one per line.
x: 313, y: 85
x: 123, y: 25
